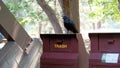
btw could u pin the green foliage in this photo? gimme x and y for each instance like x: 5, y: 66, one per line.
x: 26, y: 11
x: 105, y: 9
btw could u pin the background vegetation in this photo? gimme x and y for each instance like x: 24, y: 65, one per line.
x: 31, y: 16
x: 94, y: 14
x: 100, y: 14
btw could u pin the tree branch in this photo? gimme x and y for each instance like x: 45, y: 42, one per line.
x: 51, y: 15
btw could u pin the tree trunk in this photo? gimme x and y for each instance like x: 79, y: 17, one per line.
x: 119, y: 4
x: 51, y: 15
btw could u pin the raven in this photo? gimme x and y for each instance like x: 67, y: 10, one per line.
x: 69, y: 25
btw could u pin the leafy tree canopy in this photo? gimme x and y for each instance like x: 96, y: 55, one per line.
x: 26, y: 11
x: 105, y: 9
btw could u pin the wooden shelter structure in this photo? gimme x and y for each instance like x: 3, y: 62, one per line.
x: 20, y: 50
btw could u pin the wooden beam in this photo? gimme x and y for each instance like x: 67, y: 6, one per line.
x: 11, y: 29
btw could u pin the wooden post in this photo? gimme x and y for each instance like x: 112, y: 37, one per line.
x: 74, y: 8
x: 66, y: 7
x: 71, y: 9
x: 83, y: 61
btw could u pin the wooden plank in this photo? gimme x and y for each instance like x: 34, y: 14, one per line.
x: 12, y: 56
x: 30, y: 61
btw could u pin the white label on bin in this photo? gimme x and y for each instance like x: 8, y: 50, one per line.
x: 110, y: 58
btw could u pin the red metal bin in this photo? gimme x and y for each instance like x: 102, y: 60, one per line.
x: 105, y: 50
x: 59, y: 51
x: 96, y: 61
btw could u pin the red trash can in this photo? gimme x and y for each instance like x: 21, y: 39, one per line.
x: 59, y: 51
x: 105, y: 50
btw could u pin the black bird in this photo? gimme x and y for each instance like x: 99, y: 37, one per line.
x: 69, y: 25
